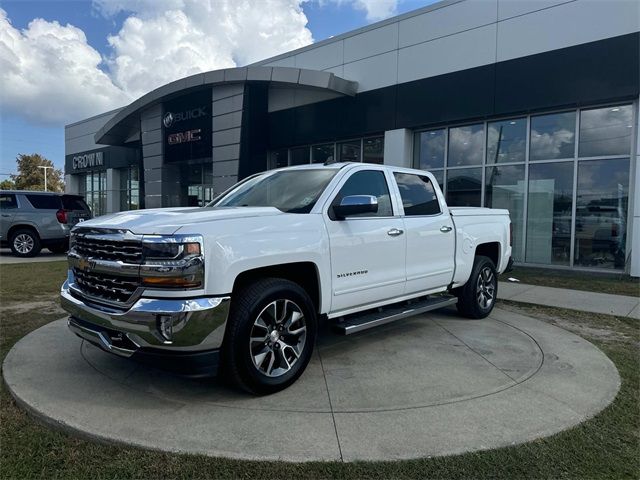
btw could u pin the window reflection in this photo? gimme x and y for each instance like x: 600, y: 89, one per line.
x: 300, y: 156
x: 504, y: 188
x: 506, y: 141
x: 464, y: 187
x: 601, y: 213
x: 439, y: 175
x: 322, y: 153
x: 553, y: 136
x: 373, y: 150
x: 549, y: 203
x: 605, y: 131
x: 430, y: 149
x: 279, y: 158
x: 466, y: 145
x: 349, y: 151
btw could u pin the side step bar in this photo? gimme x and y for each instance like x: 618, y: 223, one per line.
x: 359, y: 322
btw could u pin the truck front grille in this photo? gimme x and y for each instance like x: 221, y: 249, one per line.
x: 125, y: 251
x: 112, y: 288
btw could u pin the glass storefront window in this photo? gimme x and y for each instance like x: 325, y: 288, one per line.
x: 588, y: 233
x: 549, y: 202
x: 300, y: 156
x: 466, y: 145
x: 464, y: 187
x: 429, y: 148
x: 95, y: 192
x: 322, y: 153
x: 373, y: 150
x: 601, y: 213
x: 349, y: 151
x: 129, y: 189
x: 504, y: 188
x: 507, y: 141
x: 605, y: 131
x: 553, y: 136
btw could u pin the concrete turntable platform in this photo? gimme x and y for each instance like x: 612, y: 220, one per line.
x: 429, y: 385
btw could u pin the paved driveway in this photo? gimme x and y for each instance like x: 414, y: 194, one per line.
x: 7, y: 258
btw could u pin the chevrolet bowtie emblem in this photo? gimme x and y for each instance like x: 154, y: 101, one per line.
x: 86, y: 264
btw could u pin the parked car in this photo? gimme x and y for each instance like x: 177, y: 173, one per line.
x: 30, y: 221
x: 244, y: 282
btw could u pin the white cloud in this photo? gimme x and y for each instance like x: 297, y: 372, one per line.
x: 50, y: 74
x: 377, y: 9
x: 374, y: 9
x: 164, y: 41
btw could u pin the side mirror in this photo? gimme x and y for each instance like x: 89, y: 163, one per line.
x: 354, y: 205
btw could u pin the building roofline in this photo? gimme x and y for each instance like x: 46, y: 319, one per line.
x: 93, y: 117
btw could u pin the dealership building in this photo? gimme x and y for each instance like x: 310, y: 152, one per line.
x: 529, y: 105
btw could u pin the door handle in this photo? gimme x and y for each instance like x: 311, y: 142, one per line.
x: 445, y: 228
x: 394, y: 232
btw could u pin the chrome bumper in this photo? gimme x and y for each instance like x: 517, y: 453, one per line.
x: 189, y: 325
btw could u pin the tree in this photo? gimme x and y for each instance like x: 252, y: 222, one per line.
x: 7, y: 185
x: 30, y: 177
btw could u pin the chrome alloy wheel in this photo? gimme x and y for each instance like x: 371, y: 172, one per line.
x: 486, y: 288
x: 23, y: 243
x: 278, y: 337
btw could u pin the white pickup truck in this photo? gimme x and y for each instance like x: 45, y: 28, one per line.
x: 240, y: 286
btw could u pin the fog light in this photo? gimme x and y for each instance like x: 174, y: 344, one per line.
x: 165, y: 325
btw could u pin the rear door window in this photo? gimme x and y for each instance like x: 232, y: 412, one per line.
x: 71, y: 202
x: 418, y: 194
x: 8, y: 201
x: 45, y: 202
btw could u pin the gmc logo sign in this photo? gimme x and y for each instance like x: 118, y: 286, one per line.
x: 184, y: 137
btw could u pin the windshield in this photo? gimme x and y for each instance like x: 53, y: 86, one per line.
x: 291, y: 191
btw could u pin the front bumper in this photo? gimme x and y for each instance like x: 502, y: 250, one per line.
x: 170, y: 333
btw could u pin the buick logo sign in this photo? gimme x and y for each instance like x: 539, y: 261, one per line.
x: 168, y: 119
x: 171, y: 118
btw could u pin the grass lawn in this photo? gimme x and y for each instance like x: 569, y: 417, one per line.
x: 607, y: 446
x: 616, y: 283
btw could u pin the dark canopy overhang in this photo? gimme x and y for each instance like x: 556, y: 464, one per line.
x: 127, y: 121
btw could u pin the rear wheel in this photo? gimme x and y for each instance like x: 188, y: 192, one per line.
x: 477, y: 297
x: 25, y: 243
x: 270, y: 336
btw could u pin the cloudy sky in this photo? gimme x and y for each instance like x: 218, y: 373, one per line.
x: 64, y: 60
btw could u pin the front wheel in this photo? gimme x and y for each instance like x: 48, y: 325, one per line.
x: 477, y: 297
x: 270, y: 336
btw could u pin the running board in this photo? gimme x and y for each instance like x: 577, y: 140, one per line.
x: 357, y: 323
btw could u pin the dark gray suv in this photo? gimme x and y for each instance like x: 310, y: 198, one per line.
x: 30, y: 221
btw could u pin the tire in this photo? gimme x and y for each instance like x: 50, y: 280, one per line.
x: 25, y: 242
x: 59, y: 247
x: 263, y: 359
x: 477, y: 297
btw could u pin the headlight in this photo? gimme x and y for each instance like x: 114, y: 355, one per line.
x: 172, y: 262
x: 169, y: 251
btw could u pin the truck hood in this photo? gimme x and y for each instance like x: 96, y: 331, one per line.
x: 166, y: 221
